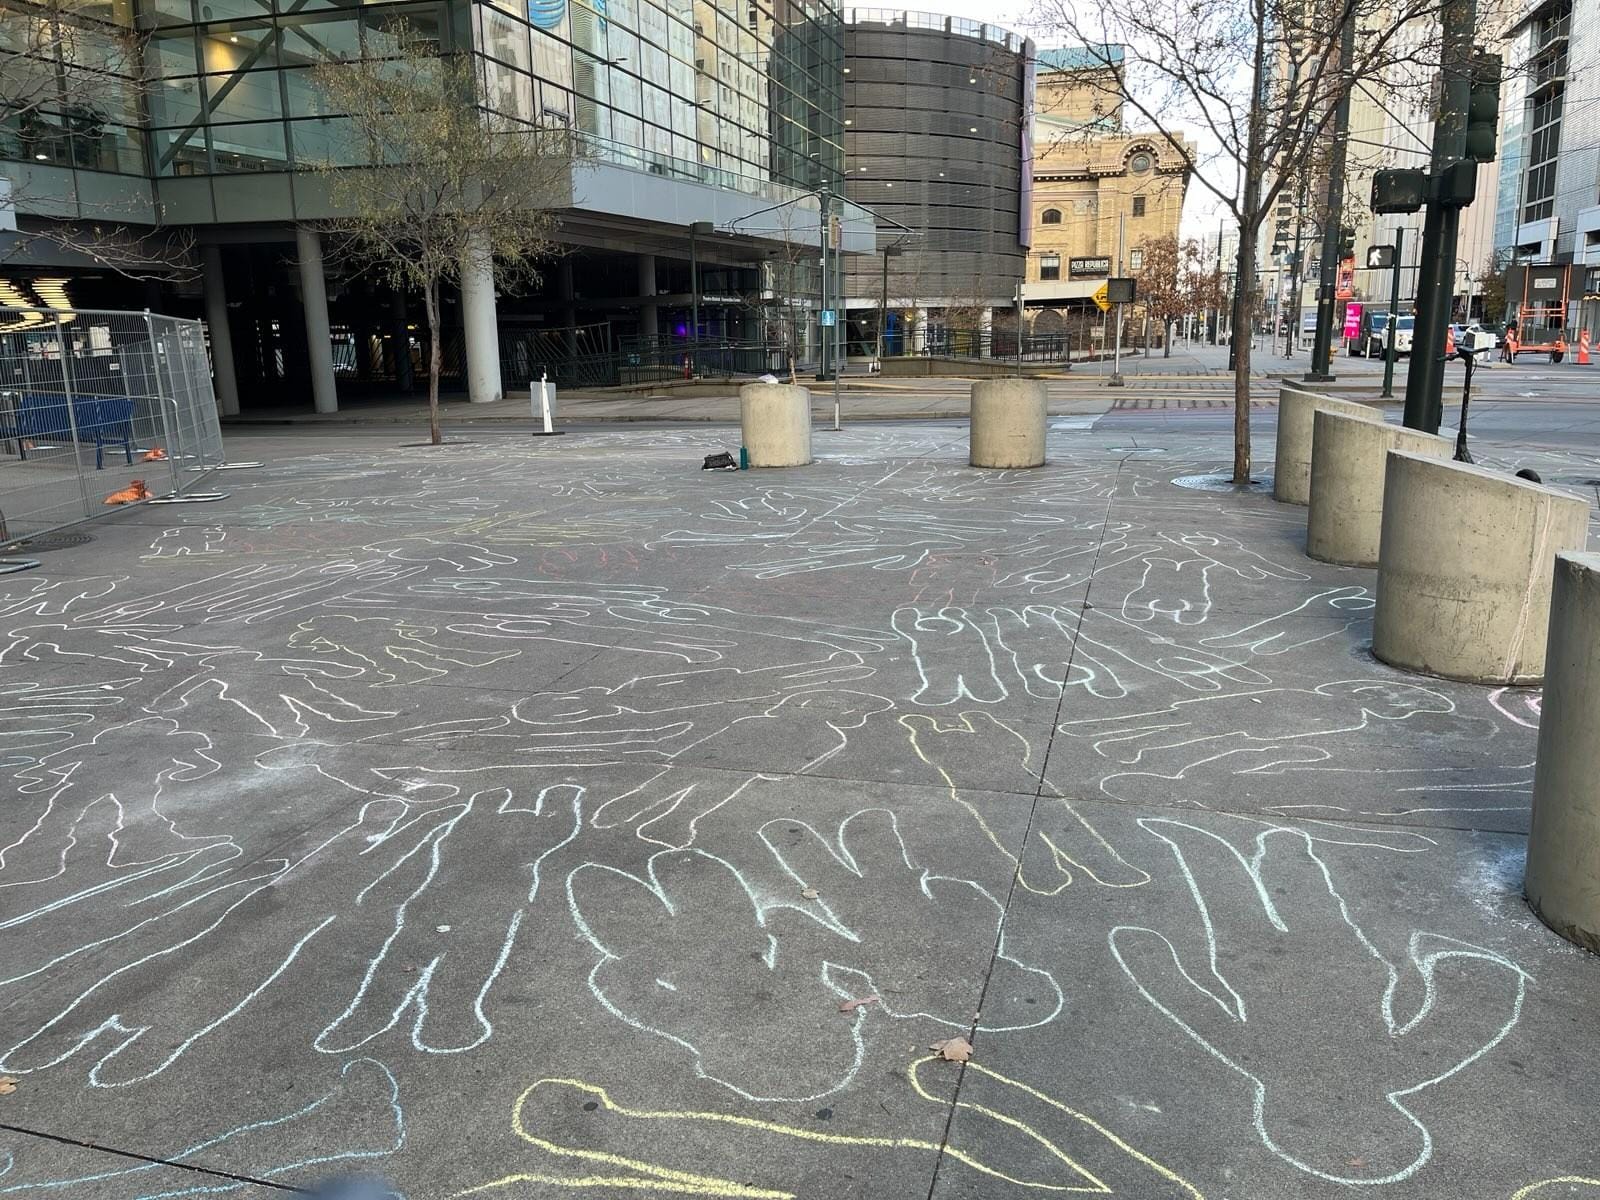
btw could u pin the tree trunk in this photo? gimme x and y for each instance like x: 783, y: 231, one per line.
x: 1166, y: 340
x: 431, y: 295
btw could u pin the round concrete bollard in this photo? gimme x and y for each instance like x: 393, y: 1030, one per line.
x: 1562, y: 881
x: 775, y: 423
x: 1347, y: 464
x: 1464, y: 566
x: 1291, y: 471
x: 1008, y: 423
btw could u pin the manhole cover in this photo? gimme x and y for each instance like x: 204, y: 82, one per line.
x: 1221, y: 483
x: 64, y: 540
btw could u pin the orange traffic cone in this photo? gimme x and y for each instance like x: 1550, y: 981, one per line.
x: 132, y: 494
x: 1449, y: 341
x: 1583, y: 347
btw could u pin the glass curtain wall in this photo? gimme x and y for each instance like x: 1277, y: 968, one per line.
x: 738, y: 93
x: 70, y: 77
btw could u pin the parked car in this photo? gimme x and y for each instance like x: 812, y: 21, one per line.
x: 1373, y: 337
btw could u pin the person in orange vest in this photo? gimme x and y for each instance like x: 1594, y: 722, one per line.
x: 1511, y: 344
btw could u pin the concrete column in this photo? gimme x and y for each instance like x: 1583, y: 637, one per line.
x: 775, y: 423
x: 1347, y: 464
x: 314, y: 301
x: 222, y: 368
x: 1464, y: 566
x: 649, y: 310
x: 919, y: 336
x: 1291, y: 478
x: 1008, y: 423
x: 480, y: 323
x: 1562, y: 882
x: 986, y: 334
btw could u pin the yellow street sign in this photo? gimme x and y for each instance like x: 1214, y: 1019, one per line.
x: 1102, y: 296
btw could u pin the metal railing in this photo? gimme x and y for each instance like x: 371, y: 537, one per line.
x: 98, y: 409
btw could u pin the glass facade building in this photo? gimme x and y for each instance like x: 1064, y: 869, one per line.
x: 202, y: 117
x: 740, y: 93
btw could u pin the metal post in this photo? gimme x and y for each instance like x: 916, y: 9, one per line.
x: 883, y: 306
x: 1394, y: 315
x: 72, y: 416
x: 1116, y: 379
x: 1296, y: 275
x: 1462, y: 455
x: 1333, y: 216
x: 1019, y: 329
x: 694, y: 300
x: 1437, y: 265
x: 824, y: 210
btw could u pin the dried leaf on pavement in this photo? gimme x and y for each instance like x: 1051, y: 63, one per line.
x: 850, y: 1006
x: 809, y: 893
x: 956, y: 1049
x: 8, y: 1084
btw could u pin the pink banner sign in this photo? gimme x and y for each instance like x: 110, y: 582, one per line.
x: 1352, y: 320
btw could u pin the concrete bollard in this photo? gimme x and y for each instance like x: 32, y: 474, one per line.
x: 1562, y: 881
x: 1291, y: 472
x: 775, y: 423
x: 1007, y: 423
x: 1347, y: 465
x: 1464, y: 566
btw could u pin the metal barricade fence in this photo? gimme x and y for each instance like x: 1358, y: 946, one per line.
x: 97, y: 409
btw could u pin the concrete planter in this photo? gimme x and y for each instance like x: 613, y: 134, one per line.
x: 1347, y: 465
x: 1008, y: 423
x: 1291, y: 473
x: 775, y: 424
x: 1563, y: 873
x: 1464, y: 568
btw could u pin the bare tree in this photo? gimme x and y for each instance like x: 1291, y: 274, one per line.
x: 70, y: 78
x: 1164, y: 287
x: 433, y: 186
x: 1261, y: 79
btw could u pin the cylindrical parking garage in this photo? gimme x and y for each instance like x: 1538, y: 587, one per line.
x: 935, y: 125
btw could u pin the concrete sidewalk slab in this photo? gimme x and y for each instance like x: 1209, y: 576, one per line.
x: 568, y: 791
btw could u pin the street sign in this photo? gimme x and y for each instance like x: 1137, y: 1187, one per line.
x: 1102, y: 297
x: 1120, y: 290
x: 827, y: 319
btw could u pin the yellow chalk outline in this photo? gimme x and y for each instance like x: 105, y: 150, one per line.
x: 657, y: 1178
x: 1524, y: 1193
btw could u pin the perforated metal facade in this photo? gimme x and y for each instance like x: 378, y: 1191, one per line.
x: 935, y: 112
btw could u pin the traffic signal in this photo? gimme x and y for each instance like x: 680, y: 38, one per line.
x: 1483, y: 110
x: 1347, y: 242
x: 1399, y: 191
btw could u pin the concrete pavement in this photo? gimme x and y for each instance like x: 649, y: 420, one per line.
x: 533, y: 817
